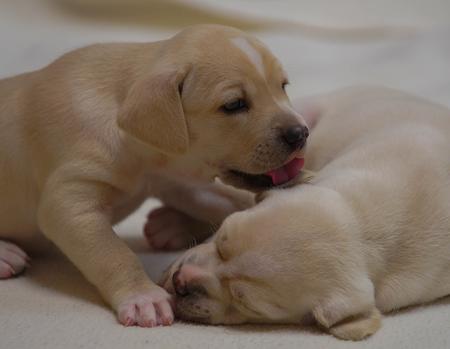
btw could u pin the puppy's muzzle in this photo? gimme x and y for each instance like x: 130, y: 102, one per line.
x: 185, y: 281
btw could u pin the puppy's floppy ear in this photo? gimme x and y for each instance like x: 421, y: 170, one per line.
x: 350, y: 316
x: 153, y: 113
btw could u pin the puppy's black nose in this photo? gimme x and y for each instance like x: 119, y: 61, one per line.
x: 295, y: 137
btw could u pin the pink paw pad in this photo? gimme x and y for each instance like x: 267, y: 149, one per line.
x: 147, y: 309
x: 13, y: 260
x: 166, y: 229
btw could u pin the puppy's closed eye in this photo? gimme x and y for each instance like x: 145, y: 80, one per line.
x: 235, y: 106
x: 223, y: 245
x: 221, y: 252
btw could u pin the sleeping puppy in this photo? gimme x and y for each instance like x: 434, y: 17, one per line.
x: 86, y: 139
x: 370, y: 233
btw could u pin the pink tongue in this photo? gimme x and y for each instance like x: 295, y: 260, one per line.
x: 287, y: 172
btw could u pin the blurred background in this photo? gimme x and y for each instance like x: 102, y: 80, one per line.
x: 323, y: 44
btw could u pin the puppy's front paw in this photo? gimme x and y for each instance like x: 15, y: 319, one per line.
x: 146, y: 309
x: 168, y: 229
x: 13, y: 260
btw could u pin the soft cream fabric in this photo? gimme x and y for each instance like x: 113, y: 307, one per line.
x: 52, y: 306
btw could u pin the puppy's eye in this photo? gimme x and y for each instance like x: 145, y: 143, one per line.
x: 284, y: 84
x: 234, y: 107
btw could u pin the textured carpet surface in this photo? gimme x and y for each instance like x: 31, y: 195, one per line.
x: 52, y: 306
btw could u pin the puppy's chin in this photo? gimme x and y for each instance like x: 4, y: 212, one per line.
x: 189, y: 317
x: 193, y: 313
x: 258, y: 183
x: 242, y: 180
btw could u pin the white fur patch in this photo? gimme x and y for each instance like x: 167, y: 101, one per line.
x: 250, y: 52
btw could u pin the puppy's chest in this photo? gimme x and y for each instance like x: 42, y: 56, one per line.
x: 129, y: 201
x: 137, y: 191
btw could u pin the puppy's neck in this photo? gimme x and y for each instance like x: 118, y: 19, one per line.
x: 153, y: 162
x: 150, y: 159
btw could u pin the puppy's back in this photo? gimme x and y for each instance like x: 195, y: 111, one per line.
x: 351, y: 114
x: 387, y: 154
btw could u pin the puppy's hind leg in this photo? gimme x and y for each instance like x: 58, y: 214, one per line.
x: 170, y: 229
x: 13, y: 260
x: 403, y: 289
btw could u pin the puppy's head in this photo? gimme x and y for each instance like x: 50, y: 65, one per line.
x: 215, y: 101
x: 243, y: 276
x: 268, y: 266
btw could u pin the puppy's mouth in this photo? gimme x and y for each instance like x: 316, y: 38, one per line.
x: 191, y: 316
x: 272, y: 178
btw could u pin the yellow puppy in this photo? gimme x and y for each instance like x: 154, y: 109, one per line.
x: 370, y: 233
x: 86, y: 139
